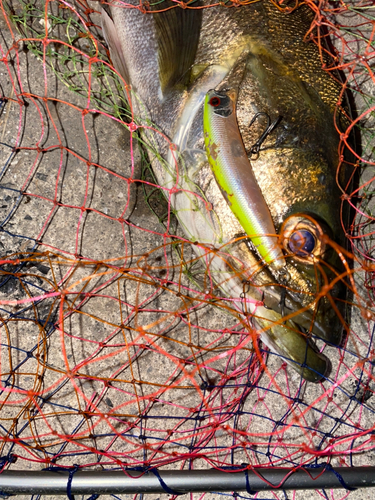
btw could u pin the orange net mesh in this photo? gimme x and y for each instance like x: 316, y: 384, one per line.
x: 116, y: 350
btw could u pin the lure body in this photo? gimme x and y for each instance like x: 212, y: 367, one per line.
x: 234, y: 174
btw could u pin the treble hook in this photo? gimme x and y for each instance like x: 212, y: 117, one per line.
x: 282, y: 301
x: 283, y: 277
x: 255, y: 148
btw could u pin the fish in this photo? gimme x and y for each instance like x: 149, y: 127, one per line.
x: 285, y: 108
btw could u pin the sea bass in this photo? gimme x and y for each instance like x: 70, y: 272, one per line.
x: 171, y: 60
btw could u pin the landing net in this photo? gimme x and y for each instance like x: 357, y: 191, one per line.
x: 116, y: 350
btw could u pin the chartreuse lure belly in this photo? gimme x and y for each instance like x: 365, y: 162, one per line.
x: 233, y: 173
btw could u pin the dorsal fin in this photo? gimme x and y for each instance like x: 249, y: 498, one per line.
x: 177, y: 33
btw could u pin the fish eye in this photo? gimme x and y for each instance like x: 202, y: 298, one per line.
x: 302, y: 237
x: 302, y: 242
x: 214, y: 101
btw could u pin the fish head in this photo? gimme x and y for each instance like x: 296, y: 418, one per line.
x: 286, y: 119
x: 305, y: 204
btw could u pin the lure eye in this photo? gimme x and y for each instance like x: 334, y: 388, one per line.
x: 214, y: 101
x: 301, y: 242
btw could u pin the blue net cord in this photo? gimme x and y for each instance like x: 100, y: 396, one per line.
x: 165, y: 487
x: 69, y: 483
x: 72, y: 471
x: 7, y: 459
x: 248, y: 488
x: 245, y: 469
x: 328, y: 467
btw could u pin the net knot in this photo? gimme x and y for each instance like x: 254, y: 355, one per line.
x: 7, y: 459
x: 144, y: 7
x: 132, y: 127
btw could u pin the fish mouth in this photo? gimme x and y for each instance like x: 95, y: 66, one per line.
x: 295, y: 330
x: 300, y: 320
x: 323, y: 318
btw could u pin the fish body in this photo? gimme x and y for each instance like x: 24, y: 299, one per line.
x: 172, y: 60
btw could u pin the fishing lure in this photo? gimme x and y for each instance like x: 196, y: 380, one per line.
x: 235, y: 177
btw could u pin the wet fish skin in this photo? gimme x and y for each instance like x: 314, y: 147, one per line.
x: 262, y: 54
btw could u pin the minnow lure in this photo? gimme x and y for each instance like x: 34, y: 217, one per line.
x: 233, y: 172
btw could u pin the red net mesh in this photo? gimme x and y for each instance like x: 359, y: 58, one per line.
x: 115, y: 349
